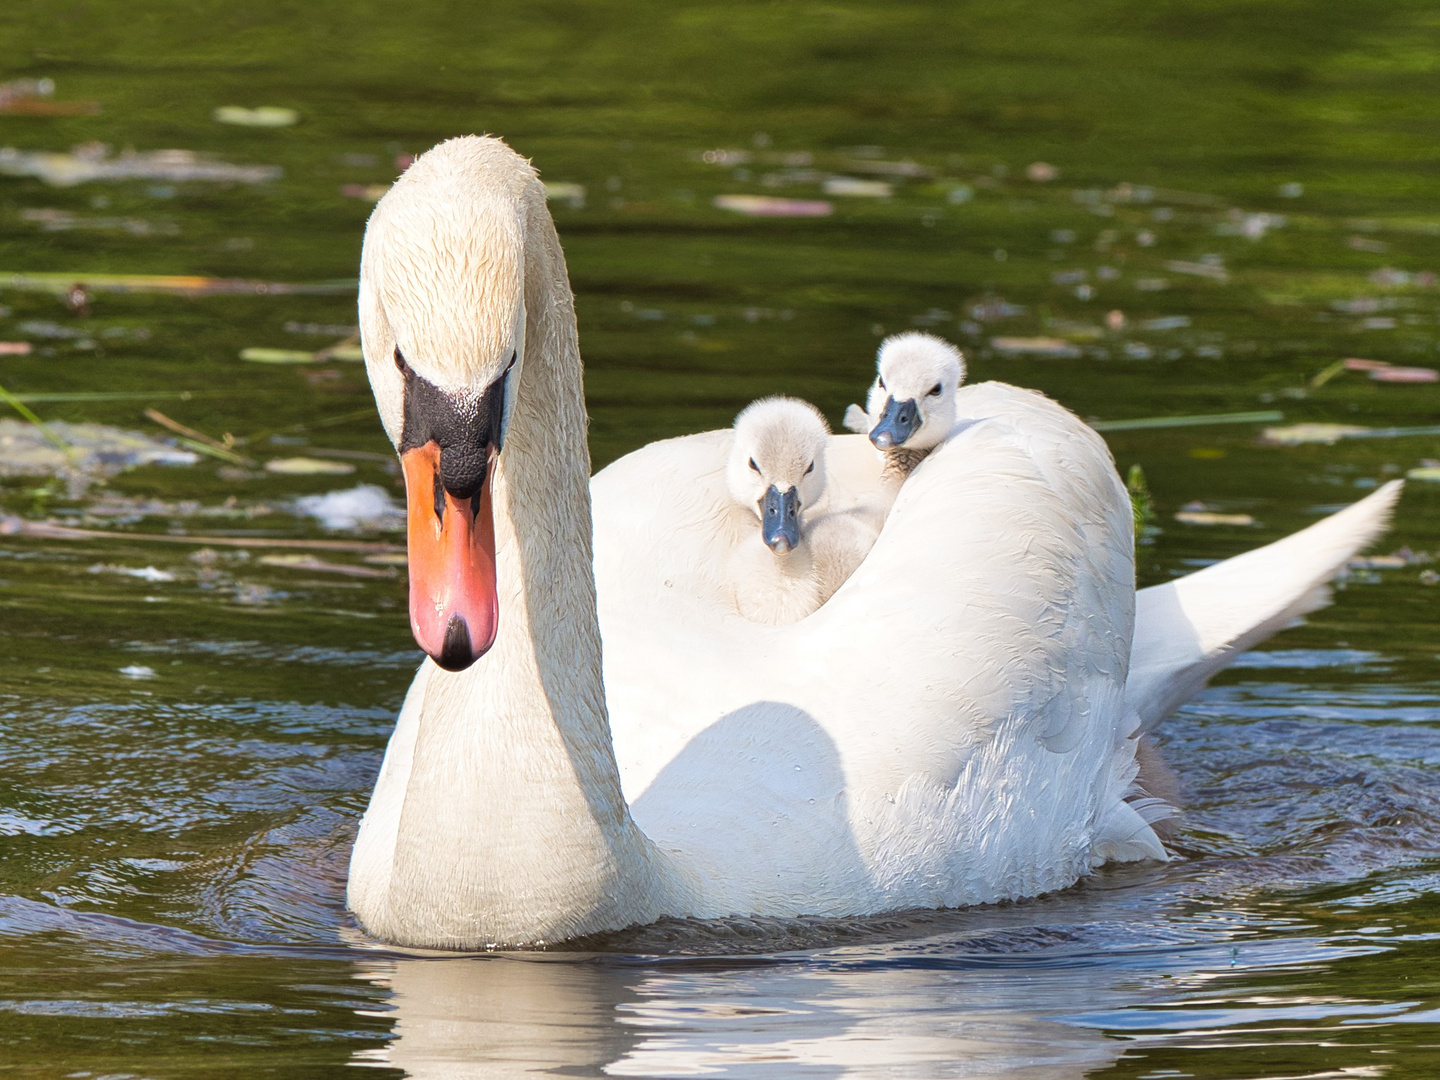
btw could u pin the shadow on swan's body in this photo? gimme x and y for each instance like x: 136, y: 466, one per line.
x: 952, y: 727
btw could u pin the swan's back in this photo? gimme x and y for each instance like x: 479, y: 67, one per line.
x: 949, y: 728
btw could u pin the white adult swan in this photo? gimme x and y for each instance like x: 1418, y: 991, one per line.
x: 952, y: 727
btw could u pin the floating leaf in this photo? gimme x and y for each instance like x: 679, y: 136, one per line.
x: 389, y: 559
x: 277, y: 356
x: 317, y: 565
x: 771, y: 206
x: 179, y: 284
x: 304, y: 466
x: 1405, y: 375
x: 1197, y: 420
x: 1210, y: 517
x: 269, y: 116
x: 849, y: 187
x: 1050, y: 347
x: 1299, y: 434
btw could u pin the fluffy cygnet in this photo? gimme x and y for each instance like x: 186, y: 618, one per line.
x: 789, y: 555
x: 911, y: 406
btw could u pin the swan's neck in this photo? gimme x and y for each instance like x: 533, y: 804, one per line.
x: 513, y: 827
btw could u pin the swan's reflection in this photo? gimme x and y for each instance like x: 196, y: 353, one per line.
x: 496, y: 1017
x: 503, y: 1017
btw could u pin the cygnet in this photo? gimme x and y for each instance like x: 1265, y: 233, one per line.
x: 788, y: 554
x: 911, y: 406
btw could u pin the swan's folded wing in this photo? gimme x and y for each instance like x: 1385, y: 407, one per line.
x: 1188, y: 630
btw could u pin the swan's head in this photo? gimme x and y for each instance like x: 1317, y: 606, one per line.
x: 913, y: 399
x: 442, y: 317
x: 777, y: 466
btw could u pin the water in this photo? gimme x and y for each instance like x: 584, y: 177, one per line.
x: 188, y: 731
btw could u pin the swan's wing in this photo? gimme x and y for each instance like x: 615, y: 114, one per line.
x: 856, y: 420
x: 660, y: 517
x: 1189, y: 629
x: 959, y: 700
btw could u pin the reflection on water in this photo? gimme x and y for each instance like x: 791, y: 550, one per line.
x: 1025, y: 1000
x: 1143, y: 211
x: 855, y: 1016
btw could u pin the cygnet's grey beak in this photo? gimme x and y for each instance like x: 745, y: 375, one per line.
x: 780, y: 520
x: 898, y: 421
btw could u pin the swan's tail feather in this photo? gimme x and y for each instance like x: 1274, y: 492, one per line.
x: 1189, y: 629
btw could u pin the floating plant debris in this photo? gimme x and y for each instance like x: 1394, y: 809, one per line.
x: 1405, y: 375
x: 1198, y: 420
x: 573, y: 195
x: 366, y: 506
x: 198, y: 441
x: 1050, y: 347
x: 277, y: 356
x: 92, y: 161
x: 306, y: 466
x: 1213, y: 271
x: 851, y: 188
x: 265, y: 116
x: 92, y: 450
x: 771, y: 206
x: 144, y: 573
x: 366, y: 192
x: 345, y: 351
x: 1197, y: 513
x: 1300, y: 434
x: 36, y: 97
x: 179, y: 284
x: 52, y: 220
x: 316, y: 565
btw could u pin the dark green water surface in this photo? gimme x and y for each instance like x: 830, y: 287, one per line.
x: 1241, y: 194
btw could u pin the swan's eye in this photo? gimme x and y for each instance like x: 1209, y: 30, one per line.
x: 753, y: 465
x: 513, y: 357
x: 400, y: 360
x: 881, y: 381
x: 810, y: 469
x: 934, y: 391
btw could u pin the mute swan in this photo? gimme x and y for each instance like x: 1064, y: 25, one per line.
x: 911, y: 405
x: 954, y: 726
x: 789, y: 552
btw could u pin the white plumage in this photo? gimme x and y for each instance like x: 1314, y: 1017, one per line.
x: 955, y: 725
x: 778, y: 448
x: 920, y: 369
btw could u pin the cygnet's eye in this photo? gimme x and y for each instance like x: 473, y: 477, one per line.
x: 881, y: 381
x: 810, y: 469
x: 400, y: 360
x: 934, y: 391
x: 513, y: 357
x: 753, y: 465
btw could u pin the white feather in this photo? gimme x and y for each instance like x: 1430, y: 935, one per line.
x: 953, y: 726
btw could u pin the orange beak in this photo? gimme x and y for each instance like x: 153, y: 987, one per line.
x: 454, y: 611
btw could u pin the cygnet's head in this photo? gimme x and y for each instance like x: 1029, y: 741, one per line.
x: 777, y: 466
x: 913, y: 398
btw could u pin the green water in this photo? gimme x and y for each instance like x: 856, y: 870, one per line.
x: 184, y: 754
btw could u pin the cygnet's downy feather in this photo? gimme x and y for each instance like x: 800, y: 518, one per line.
x: 910, y: 408
x: 789, y: 554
